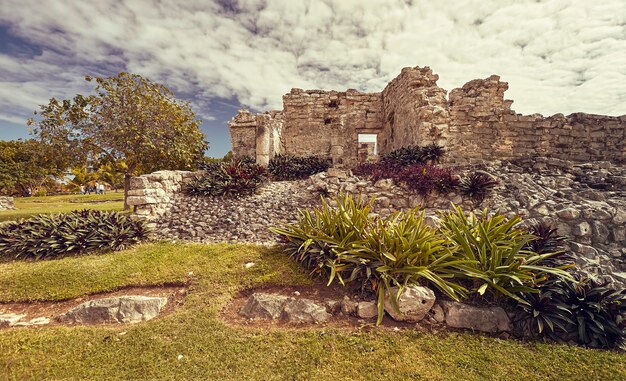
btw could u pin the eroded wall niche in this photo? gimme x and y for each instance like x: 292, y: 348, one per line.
x: 474, y: 123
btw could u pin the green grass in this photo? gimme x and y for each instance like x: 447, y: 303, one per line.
x: 214, y: 350
x: 30, y: 206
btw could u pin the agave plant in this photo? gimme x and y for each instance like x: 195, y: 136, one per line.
x: 498, y: 263
x: 347, y: 245
x: 47, y: 236
x: 547, y: 240
x: 405, y: 156
x: 290, y: 167
x: 233, y: 178
x: 587, y: 312
x: 478, y: 186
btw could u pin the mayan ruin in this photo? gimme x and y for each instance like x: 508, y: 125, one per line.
x: 475, y: 122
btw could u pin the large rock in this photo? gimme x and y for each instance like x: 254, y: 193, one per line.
x: 261, y: 305
x: 485, y: 319
x: 414, y: 303
x: 122, y: 309
x: 304, y: 311
x: 366, y: 310
x: 9, y: 319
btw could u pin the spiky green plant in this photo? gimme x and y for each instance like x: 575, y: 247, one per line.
x: 347, y: 244
x: 47, y: 236
x: 494, y: 246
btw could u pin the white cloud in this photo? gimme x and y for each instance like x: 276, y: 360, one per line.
x: 557, y: 55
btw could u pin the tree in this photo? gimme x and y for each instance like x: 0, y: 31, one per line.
x: 27, y: 164
x: 129, y: 118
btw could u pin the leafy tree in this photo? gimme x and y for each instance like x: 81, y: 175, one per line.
x: 129, y: 118
x: 27, y: 164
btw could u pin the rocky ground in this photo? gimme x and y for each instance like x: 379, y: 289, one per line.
x: 243, y: 219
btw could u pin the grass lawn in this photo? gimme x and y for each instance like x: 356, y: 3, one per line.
x: 29, y: 206
x: 215, y: 350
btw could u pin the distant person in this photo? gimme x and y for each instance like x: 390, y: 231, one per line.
x: 101, y: 188
x: 82, y: 189
x: 29, y: 192
x: 96, y: 187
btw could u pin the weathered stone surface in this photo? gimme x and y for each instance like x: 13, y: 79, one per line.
x: 305, y: 311
x: 438, y: 313
x: 366, y: 310
x: 348, y: 306
x: 122, y: 309
x: 414, y: 303
x: 10, y: 319
x: 485, y: 319
x: 476, y: 122
x: 6, y: 203
x: 264, y: 306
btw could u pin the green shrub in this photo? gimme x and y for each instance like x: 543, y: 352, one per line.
x: 587, y: 312
x: 497, y: 263
x: 478, y: 186
x: 47, y: 236
x: 346, y: 244
x: 289, y: 167
x: 228, y: 178
x: 414, y: 155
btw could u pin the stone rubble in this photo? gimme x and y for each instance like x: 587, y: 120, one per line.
x: 243, y: 219
x: 261, y: 306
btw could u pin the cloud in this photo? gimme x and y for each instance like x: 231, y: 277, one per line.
x: 557, y: 55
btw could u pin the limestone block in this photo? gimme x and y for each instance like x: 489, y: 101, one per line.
x: 485, y: 319
x: 413, y: 304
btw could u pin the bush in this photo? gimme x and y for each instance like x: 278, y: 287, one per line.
x: 497, y: 263
x: 587, y: 312
x: 346, y: 244
x: 289, y: 167
x: 413, y: 155
x: 228, y: 178
x: 423, y: 179
x: 427, y: 179
x: 478, y: 186
x: 47, y: 236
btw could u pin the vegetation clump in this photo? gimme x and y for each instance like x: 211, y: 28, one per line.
x: 290, y: 167
x: 228, y: 178
x: 485, y: 258
x: 48, y: 236
x: 587, y: 312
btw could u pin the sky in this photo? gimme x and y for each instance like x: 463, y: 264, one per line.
x: 558, y: 56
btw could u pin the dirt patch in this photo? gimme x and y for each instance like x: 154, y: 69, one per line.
x: 320, y: 293
x: 175, y: 298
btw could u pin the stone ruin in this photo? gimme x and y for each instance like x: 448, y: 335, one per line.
x: 474, y: 123
x: 564, y: 170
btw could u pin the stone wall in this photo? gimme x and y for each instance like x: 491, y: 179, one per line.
x: 415, y: 110
x: 483, y: 126
x: 475, y: 123
x: 6, y: 203
x: 153, y: 194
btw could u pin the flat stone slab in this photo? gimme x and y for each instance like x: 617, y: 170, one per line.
x: 265, y: 306
x: 9, y: 319
x: 123, y: 309
x: 485, y: 319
